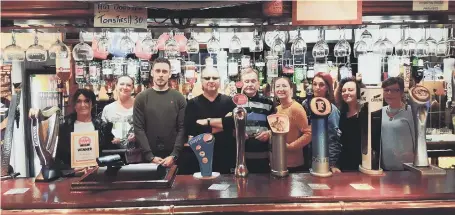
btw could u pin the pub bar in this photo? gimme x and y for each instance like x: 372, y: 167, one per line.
x: 266, y: 107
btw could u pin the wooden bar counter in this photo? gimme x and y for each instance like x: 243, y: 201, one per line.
x: 393, y: 193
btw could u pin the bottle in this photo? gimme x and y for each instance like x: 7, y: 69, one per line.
x: 80, y: 73
x: 260, y: 65
x: 145, y: 72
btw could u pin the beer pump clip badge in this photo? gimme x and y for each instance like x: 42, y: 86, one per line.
x: 240, y: 99
x: 320, y: 106
x: 420, y: 94
x: 279, y: 123
x: 202, y: 145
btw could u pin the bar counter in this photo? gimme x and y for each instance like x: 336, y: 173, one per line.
x: 393, y: 193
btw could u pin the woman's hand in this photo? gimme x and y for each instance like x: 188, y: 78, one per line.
x: 116, y: 140
x: 131, y: 138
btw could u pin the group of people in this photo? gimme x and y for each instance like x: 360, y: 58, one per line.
x: 159, y: 121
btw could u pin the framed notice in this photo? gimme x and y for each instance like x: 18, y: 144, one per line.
x: 430, y: 5
x: 84, y: 149
x: 326, y: 12
x: 119, y: 16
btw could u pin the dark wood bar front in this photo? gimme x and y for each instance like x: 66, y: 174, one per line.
x: 393, y: 193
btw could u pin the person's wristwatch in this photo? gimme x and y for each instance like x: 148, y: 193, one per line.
x: 208, y: 122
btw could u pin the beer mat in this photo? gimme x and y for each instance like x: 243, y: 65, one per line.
x: 362, y: 186
x: 219, y: 187
x: 319, y: 186
x: 16, y: 191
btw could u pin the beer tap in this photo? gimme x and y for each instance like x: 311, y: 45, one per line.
x: 239, y: 114
x: 371, y: 102
x: 63, y: 72
x: 7, y: 172
x: 279, y: 124
x: 46, y: 150
x: 320, y: 108
x: 419, y: 98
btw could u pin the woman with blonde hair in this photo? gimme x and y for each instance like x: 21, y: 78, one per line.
x: 119, y: 116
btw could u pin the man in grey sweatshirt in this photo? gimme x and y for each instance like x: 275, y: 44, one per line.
x: 158, y: 117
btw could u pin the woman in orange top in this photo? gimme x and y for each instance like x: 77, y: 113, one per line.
x: 299, y: 132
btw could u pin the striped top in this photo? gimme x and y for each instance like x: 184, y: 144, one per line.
x: 258, y: 108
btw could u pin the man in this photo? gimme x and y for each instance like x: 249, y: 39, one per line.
x: 257, y: 128
x: 210, y: 104
x: 158, y: 118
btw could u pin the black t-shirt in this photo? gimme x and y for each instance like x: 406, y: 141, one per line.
x: 201, y: 108
x: 351, y: 156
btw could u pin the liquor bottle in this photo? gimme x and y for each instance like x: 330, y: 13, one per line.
x: 288, y: 69
x: 260, y: 65
x: 108, y: 77
x: 176, y: 70
x: 271, y: 67
x: 145, y: 73
x: 417, y: 70
x: 233, y: 69
x: 94, y: 73
x: 80, y: 73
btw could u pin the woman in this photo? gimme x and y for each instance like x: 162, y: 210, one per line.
x: 397, y: 130
x: 82, y: 120
x: 118, y: 116
x: 348, y: 95
x: 323, y: 87
x: 299, y: 132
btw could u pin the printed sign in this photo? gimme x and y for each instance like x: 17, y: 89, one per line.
x: 16, y: 191
x: 430, y: 5
x: 121, y: 16
x: 84, y: 149
x: 218, y: 187
x: 319, y: 186
x: 362, y: 186
x: 336, y: 12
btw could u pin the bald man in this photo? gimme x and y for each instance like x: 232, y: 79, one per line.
x: 199, y: 110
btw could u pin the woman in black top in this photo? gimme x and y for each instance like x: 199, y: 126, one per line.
x: 348, y: 94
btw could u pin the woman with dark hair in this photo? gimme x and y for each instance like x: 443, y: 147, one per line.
x: 397, y: 129
x: 299, y: 134
x: 323, y: 87
x: 82, y: 120
x: 348, y: 95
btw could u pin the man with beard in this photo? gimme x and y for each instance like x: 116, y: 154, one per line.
x: 199, y: 111
x: 158, y: 118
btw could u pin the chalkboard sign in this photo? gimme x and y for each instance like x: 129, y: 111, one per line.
x: 114, y: 15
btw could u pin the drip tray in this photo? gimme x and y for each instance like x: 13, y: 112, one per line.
x: 134, y: 176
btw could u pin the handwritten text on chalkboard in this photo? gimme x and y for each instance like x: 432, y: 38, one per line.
x: 120, y: 16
